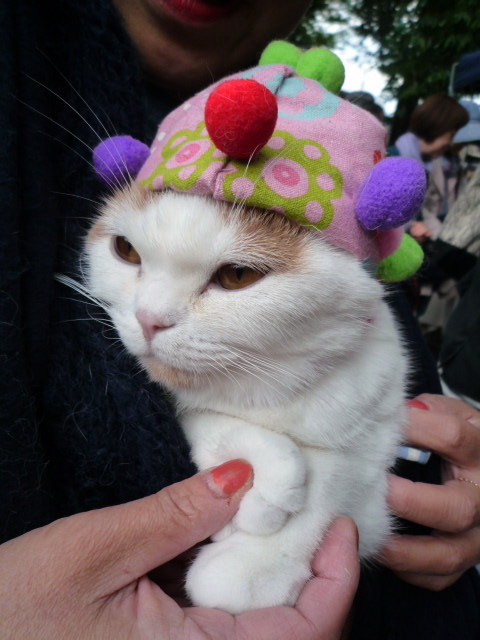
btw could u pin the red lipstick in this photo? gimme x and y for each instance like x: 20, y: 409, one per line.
x: 198, y: 11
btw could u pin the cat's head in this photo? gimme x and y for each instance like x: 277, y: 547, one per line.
x: 215, y: 297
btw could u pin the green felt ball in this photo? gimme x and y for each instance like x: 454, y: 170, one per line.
x: 324, y: 66
x: 281, y: 52
x: 402, y: 264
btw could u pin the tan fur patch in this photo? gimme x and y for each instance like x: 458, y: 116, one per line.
x: 172, y: 378
x: 130, y: 198
x: 268, y: 237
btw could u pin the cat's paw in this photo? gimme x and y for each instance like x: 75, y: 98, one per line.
x: 258, y: 516
x: 277, y: 492
x: 281, y: 481
x: 236, y: 577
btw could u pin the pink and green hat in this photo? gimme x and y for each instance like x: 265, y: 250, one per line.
x: 277, y: 137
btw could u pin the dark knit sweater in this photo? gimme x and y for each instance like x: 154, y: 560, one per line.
x: 80, y: 426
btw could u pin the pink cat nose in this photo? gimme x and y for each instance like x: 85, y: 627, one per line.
x: 151, y: 324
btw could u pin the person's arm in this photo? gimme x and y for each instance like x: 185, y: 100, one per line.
x: 86, y: 576
x: 451, y: 429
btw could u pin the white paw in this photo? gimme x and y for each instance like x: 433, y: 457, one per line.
x: 235, y: 577
x: 282, y: 482
x: 276, y: 493
x: 257, y: 516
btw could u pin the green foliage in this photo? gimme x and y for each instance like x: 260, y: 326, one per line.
x: 419, y: 40
x: 309, y: 32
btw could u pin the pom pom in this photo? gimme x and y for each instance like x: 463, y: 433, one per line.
x: 281, y: 52
x: 240, y: 116
x: 118, y: 159
x: 392, y: 195
x: 402, y: 264
x: 323, y: 66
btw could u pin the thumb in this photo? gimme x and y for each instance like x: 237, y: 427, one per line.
x: 327, y: 598
x: 117, y: 545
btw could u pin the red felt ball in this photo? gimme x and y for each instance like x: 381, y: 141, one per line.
x: 240, y: 116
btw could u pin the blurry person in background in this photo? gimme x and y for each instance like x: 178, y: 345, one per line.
x: 433, y: 125
x: 365, y: 101
x: 467, y: 143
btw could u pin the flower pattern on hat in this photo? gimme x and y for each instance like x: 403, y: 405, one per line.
x: 305, y: 182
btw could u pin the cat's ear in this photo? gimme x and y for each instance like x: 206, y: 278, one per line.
x: 117, y: 160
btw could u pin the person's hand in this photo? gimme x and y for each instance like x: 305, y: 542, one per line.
x: 419, y: 232
x: 86, y: 576
x: 452, y: 429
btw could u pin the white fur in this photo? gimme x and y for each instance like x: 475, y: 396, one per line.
x: 301, y: 373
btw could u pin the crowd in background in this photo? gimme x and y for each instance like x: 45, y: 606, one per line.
x: 444, y: 136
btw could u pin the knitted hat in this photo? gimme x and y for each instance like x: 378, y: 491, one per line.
x: 277, y: 137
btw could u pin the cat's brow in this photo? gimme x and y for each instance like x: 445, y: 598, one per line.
x: 267, y: 237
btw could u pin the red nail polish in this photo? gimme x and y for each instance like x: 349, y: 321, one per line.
x: 230, y: 477
x: 417, y: 404
x: 358, y: 537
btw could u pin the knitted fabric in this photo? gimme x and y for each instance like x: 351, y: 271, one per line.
x: 80, y: 427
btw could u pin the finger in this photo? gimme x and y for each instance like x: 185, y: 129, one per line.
x: 453, y: 507
x: 327, y: 598
x: 325, y: 601
x: 427, y: 581
x: 120, y: 544
x: 450, y: 406
x: 453, y: 435
x: 439, y: 555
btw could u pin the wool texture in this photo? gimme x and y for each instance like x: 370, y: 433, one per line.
x: 81, y: 428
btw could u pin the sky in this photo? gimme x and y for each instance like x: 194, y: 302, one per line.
x: 358, y: 57
x: 361, y: 75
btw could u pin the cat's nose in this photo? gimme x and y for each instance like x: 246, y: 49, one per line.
x: 151, y: 324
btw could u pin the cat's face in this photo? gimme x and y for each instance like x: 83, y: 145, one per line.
x: 210, y: 298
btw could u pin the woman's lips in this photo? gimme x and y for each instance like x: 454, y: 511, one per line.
x: 198, y: 11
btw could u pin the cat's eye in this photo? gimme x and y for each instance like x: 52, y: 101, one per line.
x: 233, y: 276
x: 125, y: 250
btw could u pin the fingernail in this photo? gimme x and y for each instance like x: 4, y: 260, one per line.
x: 358, y: 537
x: 229, y: 478
x: 417, y: 404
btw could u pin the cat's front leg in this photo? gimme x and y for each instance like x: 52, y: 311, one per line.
x: 279, y: 468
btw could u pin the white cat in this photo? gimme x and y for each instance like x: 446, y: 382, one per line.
x: 280, y: 350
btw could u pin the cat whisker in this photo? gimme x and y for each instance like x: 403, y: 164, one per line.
x: 266, y: 362
x: 61, y: 126
x: 223, y: 369
x: 75, y: 195
x: 252, y: 370
x: 81, y: 289
x: 94, y: 131
x: 72, y: 149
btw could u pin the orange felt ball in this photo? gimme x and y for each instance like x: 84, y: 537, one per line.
x: 240, y: 116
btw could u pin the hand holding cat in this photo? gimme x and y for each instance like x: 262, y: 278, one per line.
x: 452, y: 429
x: 87, y: 575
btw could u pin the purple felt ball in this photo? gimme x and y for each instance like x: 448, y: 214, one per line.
x: 118, y: 159
x: 392, y: 194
